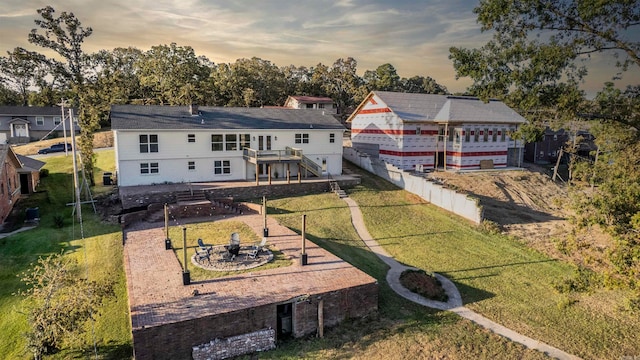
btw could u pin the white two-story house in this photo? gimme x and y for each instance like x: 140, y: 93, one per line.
x: 181, y: 144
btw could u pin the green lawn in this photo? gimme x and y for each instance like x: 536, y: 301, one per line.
x: 497, y: 276
x: 100, y: 250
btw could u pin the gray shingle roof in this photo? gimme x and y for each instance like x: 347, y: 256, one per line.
x: 31, y: 111
x: 151, y: 117
x: 446, y: 108
x: 30, y: 163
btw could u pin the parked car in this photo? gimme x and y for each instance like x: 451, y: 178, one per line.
x: 55, y: 148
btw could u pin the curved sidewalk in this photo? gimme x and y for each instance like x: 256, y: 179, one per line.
x: 455, y: 300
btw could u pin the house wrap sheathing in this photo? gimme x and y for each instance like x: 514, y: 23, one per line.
x: 427, y: 131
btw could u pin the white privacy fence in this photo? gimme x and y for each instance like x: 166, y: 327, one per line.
x: 430, y: 191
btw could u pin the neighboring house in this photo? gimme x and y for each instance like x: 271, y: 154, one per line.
x: 9, y: 181
x: 173, y: 144
x: 427, y: 131
x: 548, y: 148
x: 312, y: 102
x: 22, y: 124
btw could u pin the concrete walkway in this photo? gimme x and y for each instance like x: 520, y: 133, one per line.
x: 454, y: 303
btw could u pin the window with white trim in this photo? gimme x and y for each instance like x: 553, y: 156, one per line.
x: 485, y: 135
x: 302, y: 138
x: 148, y: 143
x: 222, y: 167
x: 467, y: 135
x: 149, y: 168
x: 231, y: 142
x: 503, y: 135
x: 494, y: 135
x: 56, y: 120
x: 191, y: 165
x: 245, y: 141
x: 40, y: 120
x: 217, y: 142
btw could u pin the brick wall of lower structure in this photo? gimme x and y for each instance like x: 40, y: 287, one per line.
x: 236, y: 193
x: 176, y: 340
x: 347, y: 303
x: 220, y: 349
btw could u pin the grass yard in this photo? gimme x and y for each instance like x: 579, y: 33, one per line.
x: 101, y: 250
x: 497, y: 276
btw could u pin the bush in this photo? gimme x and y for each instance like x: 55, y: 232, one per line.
x: 44, y: 173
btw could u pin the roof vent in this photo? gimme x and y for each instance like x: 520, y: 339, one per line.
x: 202, y: 121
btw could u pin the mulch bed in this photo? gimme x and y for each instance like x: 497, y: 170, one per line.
x: 421, y: 283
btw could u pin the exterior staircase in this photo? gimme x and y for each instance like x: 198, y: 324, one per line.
x: 191, y: 197
x: 335, y: 187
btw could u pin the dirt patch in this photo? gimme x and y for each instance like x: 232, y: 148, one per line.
x: 527, y: 204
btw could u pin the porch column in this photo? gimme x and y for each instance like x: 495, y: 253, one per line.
x: 269, y: 171
x: 288, y: 173
x: 257, y: 175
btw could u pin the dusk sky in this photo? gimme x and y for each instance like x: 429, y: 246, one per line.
x: 413, y: 35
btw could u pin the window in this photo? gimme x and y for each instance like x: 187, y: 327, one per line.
x: 302, y: 138
x: 231, y: 142
x: 191, y: 138
x: 148, y: 143
x: 450, y: 134
x: 191, y: 165
x: 467, y: 135
x: 245, y: 141
x: 40, y: 120
x: 149, y: 168
x: 320, y: 106
x: 457, y: 136
x: 216, y: 142
x: 476, y: 135
x: 485, y: 135
x: 56, y: 120
x: 494, y: 135
x: 418, y: 131
x: 222, y: 167
x: 332, y: 138
x: 503, y: 135
x: 309, y: 106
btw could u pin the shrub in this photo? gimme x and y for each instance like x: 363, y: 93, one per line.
x: 44, y: 173
x: 58, y: 221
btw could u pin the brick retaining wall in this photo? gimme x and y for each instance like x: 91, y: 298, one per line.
x: 241, y: 193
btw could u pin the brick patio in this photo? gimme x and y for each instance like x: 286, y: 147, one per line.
x: 157, y: 297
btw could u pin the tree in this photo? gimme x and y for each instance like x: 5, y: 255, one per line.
x: 423, y: 85
x: 58, y: 303
x: 172, y: 74
x: 384, y: 78
x: 19, y: 69
x: 65, y: 35
x: 532, y: 62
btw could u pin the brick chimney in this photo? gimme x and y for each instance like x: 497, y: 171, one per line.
x: 193, y: 109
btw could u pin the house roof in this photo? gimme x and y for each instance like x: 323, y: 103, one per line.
x: 30, y: 111
x: 312, y: 99
x: 412, y: 107
x: 30, y: 164
x: 158, y: 117
x: 7, y: 153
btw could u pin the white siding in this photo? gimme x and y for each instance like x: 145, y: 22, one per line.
x: 175, y: 152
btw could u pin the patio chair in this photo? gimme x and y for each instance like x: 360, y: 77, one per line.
x: 256, y: 249
x: 204, y: 247
x: 201, y: 255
